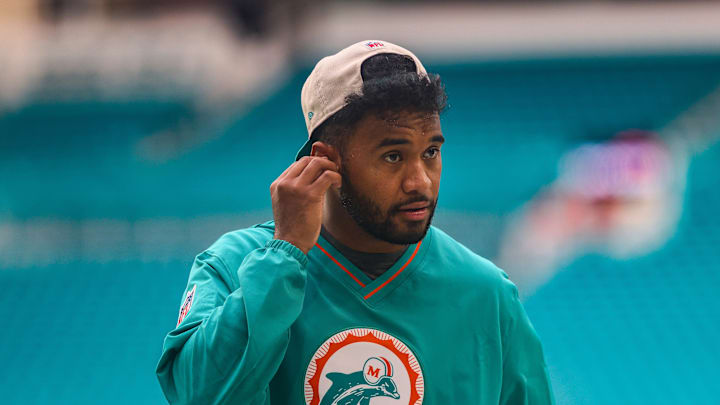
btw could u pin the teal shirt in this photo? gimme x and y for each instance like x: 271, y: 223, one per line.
x: 263, y: 323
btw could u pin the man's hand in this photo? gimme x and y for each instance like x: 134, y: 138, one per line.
x: 297, y: 200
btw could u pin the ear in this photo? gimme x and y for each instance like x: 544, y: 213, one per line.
x: 323, y: 149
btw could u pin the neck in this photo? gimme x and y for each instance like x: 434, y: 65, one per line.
x: 343, y: 227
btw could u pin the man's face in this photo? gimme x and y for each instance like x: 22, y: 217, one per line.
x: 391, y: 175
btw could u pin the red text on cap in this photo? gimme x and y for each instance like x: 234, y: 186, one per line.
x: 374, y: 44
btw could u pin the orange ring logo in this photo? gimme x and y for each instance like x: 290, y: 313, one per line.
x: 361, y: 364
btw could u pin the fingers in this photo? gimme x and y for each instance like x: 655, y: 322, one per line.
x: 296, y: 168
x: 315, y: 168
x: 304, y: 177
x: 325, y: 180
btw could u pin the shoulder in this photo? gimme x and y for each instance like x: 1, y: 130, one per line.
x: 231, y: 248
x: 462, y: 265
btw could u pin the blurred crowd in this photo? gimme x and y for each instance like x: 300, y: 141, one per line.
x: 248, y: 17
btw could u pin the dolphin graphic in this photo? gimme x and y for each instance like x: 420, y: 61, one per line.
x: 352, y: 389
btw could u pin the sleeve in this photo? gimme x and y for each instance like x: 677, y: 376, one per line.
x: 525, y: 377
x: 230, y: 343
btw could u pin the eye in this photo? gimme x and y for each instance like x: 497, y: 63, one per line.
x: 392, y: 157
x: 432, y: 153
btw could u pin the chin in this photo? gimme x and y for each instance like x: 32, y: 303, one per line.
x: 412, y: 226
x: 412, y: 232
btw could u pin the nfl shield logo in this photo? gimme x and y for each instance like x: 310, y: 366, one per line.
x: 187, y: 303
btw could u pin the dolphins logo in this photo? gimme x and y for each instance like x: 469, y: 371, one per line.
x: 375, y: 380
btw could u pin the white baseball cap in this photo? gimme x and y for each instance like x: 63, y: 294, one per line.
x: 337, y: 76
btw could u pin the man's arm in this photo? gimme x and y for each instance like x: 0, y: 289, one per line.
x: 525, y: 379
x: 233, y: 340
x: 231, y: 343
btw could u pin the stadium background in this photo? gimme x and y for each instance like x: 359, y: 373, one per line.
x: 133, y: 134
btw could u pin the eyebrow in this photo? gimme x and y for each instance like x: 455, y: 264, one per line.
x: 403, y: 141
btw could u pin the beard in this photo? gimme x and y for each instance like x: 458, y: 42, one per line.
x: 371, y: 218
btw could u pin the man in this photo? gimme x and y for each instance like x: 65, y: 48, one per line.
x: 350, y: 297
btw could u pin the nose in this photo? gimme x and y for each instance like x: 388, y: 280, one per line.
x: 417, y: 179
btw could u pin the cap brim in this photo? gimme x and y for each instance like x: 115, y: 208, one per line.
x: 305, y: 150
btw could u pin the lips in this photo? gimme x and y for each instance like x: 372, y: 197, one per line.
x: 416, y: 211
x: 414, y: 206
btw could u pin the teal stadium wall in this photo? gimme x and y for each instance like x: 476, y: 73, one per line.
x: 80, y: 331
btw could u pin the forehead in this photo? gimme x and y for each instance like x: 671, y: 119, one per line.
x: 376, y: 127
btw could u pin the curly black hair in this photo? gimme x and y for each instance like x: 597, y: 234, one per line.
x: 390, y: 85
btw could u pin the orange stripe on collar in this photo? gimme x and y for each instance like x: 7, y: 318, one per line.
x: 370, y: 294
x: 341, y: 266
